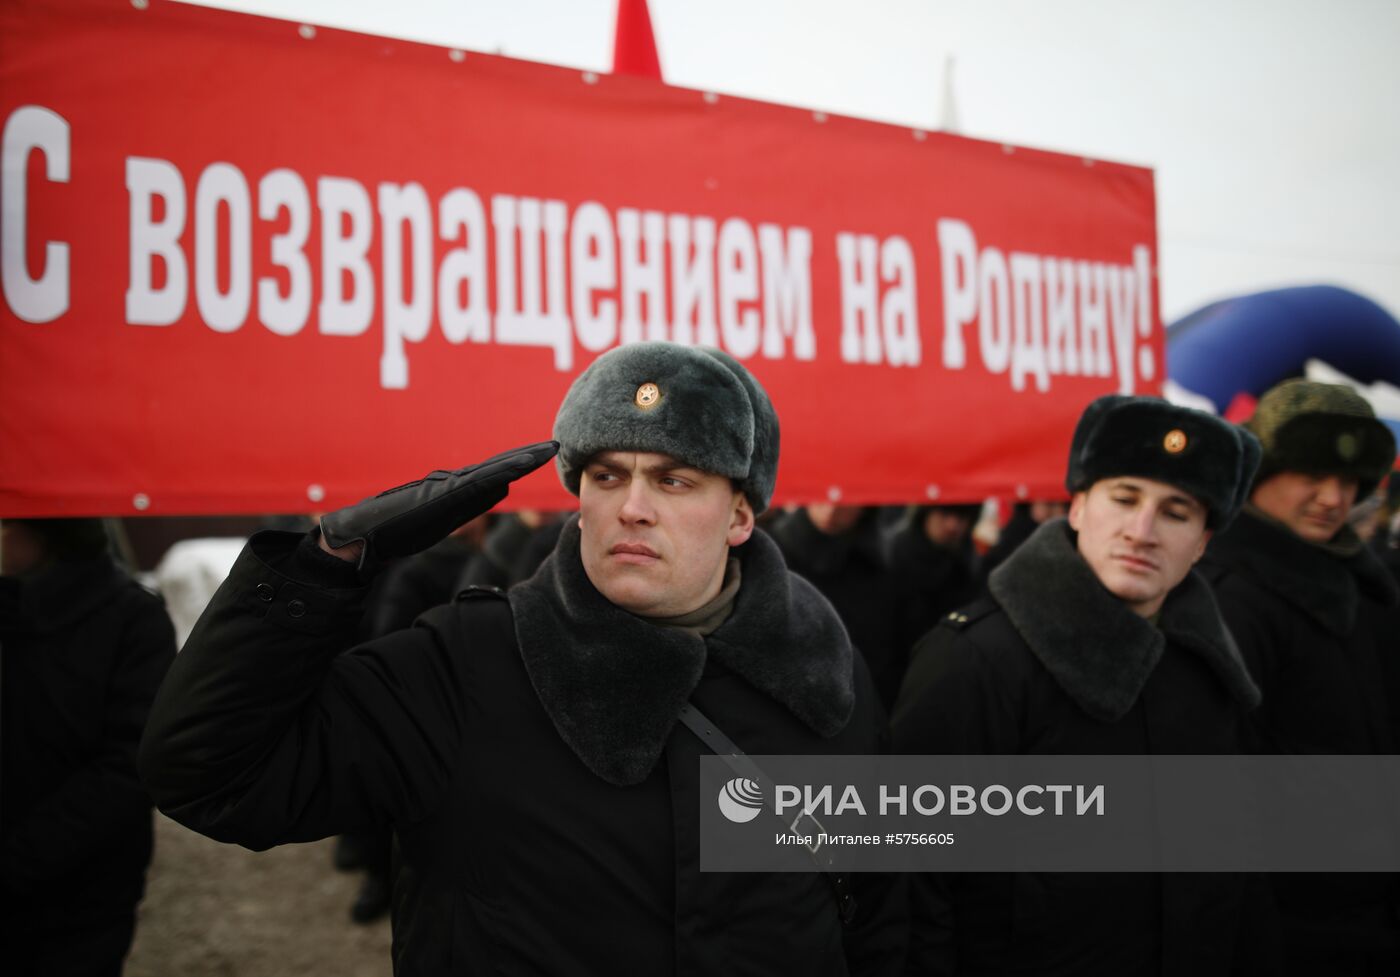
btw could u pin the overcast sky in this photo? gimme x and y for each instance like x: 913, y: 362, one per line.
x: 1272, y: 125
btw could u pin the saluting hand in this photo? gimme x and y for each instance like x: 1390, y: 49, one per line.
x: 412, y: 517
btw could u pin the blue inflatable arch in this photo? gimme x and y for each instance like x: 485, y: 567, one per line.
x: 1251, y: 343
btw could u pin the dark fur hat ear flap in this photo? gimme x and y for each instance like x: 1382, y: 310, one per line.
x: 1199, y: 453
x: 1077, y: 473
x: 1251, y: 454
x: 763, y: 464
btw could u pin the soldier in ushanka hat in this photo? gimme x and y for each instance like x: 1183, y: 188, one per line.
x: 533, y: 751
x: 1315, y: 613
x: 1097, y: 637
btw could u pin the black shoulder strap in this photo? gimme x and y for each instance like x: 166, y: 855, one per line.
x: 969, y: 614
x: 804, y: 825
x: 926, y: 657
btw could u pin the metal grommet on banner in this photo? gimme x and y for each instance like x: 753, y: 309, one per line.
x: 306, y: 31
x: 710, y: 98
x: 920, y: 135
x: 1007, y: 148
x: 818, y: 116
x: 315, y: 493
x: 1022, y: 492
x: 1088, y: 161
x: 833, y: 494
x: 932, y: 491
x: 457, y: 54
x: 140, y: 4
x: 590, y: 78
x: 141, y: 501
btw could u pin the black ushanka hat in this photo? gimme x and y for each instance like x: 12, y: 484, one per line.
x: 698, y: 405
x: 1199, y: 453
x: 1322, y: 429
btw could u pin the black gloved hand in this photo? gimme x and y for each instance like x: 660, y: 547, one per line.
x: 412, y: 517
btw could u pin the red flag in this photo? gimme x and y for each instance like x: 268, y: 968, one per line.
x: 634, y: 47
x: 1241, y: 408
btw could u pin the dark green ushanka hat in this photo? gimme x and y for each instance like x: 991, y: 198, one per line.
x: 1322, y: 429
x: 1201, y: 454
x: 698, y: 405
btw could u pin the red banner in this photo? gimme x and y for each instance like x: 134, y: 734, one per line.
x: 255, y: 266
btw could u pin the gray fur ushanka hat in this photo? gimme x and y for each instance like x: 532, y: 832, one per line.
x: 1199, y: 453
x: 698, y: 405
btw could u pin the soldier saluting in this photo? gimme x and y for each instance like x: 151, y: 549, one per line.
x: 526, y: 748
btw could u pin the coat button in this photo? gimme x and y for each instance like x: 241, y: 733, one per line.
x: 265, y: 591
x: 296, y: 608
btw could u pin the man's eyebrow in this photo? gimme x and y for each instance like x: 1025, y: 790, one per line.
x: 610, y: 460
x: 1175, y: 498
x: 669, y: 465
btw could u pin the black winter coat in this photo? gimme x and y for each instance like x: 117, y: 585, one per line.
x: 1386, y: 548
x: 1321, y: 634
x: 527, y: 754
x: 417, y: 584
x: 1017, y: 530
x: 992, y: 680
x: 851, y: 571
x: 84, y: 649
x: 930, y: 580
x: 511, y: 553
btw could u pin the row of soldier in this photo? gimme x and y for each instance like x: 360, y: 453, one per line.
x: 523, y: 746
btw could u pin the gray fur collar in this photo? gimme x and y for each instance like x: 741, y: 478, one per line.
x: 1097, y: 650
x: 613, y: 683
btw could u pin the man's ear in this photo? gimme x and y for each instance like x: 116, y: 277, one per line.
x: 742, y: 521
x: 1076, y: 509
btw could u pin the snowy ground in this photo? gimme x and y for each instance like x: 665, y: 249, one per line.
x: 221, y: 911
